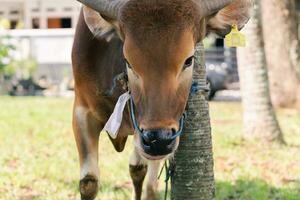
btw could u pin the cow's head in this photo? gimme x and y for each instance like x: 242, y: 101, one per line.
x: 159, y: 43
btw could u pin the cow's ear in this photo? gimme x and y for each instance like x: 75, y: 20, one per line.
x: 238, y: 12
x: 100, y: 26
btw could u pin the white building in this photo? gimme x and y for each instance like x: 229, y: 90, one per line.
x: 46, y: 34
x: 40, y: 14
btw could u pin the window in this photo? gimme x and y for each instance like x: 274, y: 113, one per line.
x: 66, y: 23
x: 54, y: 23
x: 35, y: 10
x: 13, y: 24
x: 50, y: 9
x: 35, y: 23
x: 14, y: 12
x: 59, y: 23
x: 67, y: 9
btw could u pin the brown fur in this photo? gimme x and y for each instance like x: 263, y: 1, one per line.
x: 158, y: 36
x: 159, y: 91
x: 144, y: 18
x: 137, y: 174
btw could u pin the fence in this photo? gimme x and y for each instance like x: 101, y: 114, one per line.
x: 51, y: 48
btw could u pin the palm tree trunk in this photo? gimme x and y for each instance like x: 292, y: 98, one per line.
x: 193, y: 175
x: 259, y: 116
x: 282, y: 47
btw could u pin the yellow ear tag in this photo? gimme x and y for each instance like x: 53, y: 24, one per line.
x: 235, y: 38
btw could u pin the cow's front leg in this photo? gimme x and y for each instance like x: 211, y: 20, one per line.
x: 138, y: 170
x: 152, y: 183
x: 86, y: 131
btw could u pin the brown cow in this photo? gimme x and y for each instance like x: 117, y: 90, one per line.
x: 154, y: 41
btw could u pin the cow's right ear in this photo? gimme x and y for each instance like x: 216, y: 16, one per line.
x: 99, y: 26
x: 238, y: 12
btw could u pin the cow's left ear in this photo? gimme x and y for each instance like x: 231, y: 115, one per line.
x: 100, y: 27
x: 238, y: 12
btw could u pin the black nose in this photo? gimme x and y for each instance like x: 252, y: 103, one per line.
x: 158, y: 142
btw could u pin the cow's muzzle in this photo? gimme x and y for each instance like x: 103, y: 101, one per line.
x: 157, y: 142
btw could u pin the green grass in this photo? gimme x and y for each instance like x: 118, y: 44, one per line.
x: 38, y: 156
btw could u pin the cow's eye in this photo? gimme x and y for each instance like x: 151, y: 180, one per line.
x: 130, y: 67
x: 188, y: 62
x: 127, y: 64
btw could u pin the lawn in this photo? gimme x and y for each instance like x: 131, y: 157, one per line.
x: 38, y: 156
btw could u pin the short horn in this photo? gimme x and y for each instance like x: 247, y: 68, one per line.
x: 212, y: 6
x: 108, y: 8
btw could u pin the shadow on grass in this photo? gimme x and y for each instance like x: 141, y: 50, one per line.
x: 242, y: 189
x: 254, y: 190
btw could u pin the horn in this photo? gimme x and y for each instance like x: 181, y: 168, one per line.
x: 109, y: 8
x: 212, y: 6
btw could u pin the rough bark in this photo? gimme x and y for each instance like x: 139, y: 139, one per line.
x: 193, y: 176
x: 282, y: 48
x: 259, y: 116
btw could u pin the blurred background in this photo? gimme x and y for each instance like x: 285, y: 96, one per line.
x: 254, y: 106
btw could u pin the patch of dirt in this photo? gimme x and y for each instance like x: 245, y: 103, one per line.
x: 13, y: 163
x: 27, y: 193
x: 226, y: 164
x: 265, y: 160
x: 123, y: 185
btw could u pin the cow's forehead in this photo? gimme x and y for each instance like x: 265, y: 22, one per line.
x: 159, y: 52
x: 159, y: 39
x: 145, y: 16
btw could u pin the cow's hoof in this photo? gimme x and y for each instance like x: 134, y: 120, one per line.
x: 88, y: 187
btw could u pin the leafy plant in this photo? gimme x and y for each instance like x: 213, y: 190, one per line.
x: 6, y: 50
x: 9, y: 65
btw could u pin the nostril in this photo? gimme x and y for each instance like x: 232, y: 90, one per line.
x: 173, y: 131
x: 158, y: 138
x: 148, y: 137
x: 158, y: 141
x: 145, y: 142
x: 169, y: 142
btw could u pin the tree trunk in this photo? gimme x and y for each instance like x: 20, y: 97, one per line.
x: 298, y: 14
x: 282, y: 46
x: 259, y: 116
x: 193, y: 176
